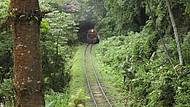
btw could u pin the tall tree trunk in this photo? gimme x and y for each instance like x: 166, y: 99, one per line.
x: 175, y: 33
x: 160, y: 34
x: 26, y: 17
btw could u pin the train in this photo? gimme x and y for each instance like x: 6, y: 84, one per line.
x: 87, y: 32
x: 92, y: 37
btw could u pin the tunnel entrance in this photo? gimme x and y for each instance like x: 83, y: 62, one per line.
x: 84, y: 26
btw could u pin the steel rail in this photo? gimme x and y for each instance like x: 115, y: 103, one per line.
x: 93, y: 70
x: 98, y: 80
x: 87, y: 79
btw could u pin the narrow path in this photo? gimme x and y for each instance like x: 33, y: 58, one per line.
x: 96, y: 91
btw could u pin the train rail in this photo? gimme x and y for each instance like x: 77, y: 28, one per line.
x: 95, y: 88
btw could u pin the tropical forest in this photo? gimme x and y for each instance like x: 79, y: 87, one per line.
x: 94, y: 53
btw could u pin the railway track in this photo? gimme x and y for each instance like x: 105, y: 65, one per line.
x: 96, y: 91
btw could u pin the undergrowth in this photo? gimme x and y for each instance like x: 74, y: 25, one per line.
x: 148, y: 77
x: 73, y: 95
x: 56, y: 99
x: 77, y: 84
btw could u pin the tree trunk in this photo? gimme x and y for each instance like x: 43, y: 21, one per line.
x: 175, y: 33
x: 25, y: 21
x: 160, y: 34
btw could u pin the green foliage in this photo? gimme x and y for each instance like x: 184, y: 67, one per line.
x: 7, y: 93
x: 182, y: 88
x: 44, y: 26
x: 123, y: 16
x: 150, y: 79
x: 186, y: 48
x: 3, y: 9
x: 77, y: 94
x: 6, y: 88
x: 78, y: 99
x: 6, y: 42
x: 5, y: 36
x: 58, y: 31
x: 131, y: 15
x: 56, y: 99
x: 139, y: 44
x: 73, y: 95
x: 132, y: 49
x: 58, y: 37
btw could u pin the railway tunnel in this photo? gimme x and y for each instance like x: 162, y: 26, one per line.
x: 84, y: 26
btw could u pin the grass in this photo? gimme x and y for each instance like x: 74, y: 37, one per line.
x: 77, y: 84
x: 77, y: 74
x: 56, y: 99
x: 75, y: 93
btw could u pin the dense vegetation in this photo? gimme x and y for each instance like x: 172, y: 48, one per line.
x: 6, y: 62
x: 58, y: 38
x: 138, y: 46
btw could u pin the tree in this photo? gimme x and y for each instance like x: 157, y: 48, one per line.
x: 25, y: 21
x: 175, y: 32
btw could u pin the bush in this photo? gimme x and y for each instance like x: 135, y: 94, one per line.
x: 150, y: 79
